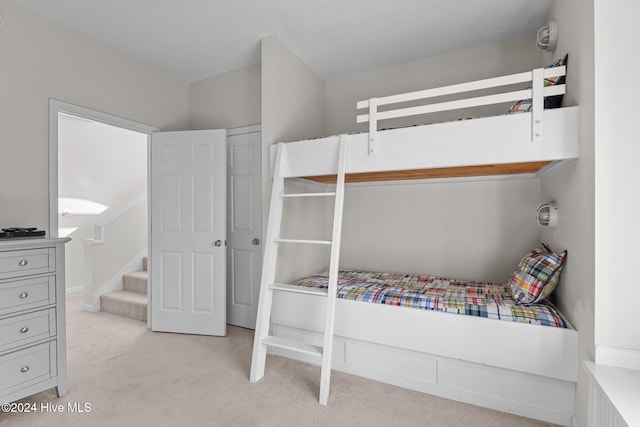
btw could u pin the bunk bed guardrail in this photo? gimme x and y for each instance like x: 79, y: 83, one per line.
x: 536, y: 93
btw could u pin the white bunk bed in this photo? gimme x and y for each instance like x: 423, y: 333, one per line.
x: 524, y: 369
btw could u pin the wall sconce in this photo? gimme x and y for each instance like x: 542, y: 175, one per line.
x: 547, y: 214
x: 547, y: 37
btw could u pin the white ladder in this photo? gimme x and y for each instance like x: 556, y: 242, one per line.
x: 262, y: 339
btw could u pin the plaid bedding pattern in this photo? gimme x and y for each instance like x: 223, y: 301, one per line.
x: 482, y: 299
x: 536, y: 276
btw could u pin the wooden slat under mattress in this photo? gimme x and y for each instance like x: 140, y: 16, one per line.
x: 452, y: 172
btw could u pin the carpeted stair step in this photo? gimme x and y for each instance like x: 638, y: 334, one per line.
x: 125, y: 303
x: 136, y: 281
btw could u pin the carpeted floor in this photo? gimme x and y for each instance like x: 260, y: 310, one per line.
x: 130, y: 376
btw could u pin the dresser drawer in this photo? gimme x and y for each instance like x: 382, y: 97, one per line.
x: 27, y: 328
x: 25, y: 294
x: 26, y: 367
x: 26, y: 262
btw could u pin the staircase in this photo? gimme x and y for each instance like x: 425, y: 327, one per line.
x: 131, y: 301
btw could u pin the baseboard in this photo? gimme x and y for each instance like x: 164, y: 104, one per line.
x: 90, y: 308
x: 74, y: 290
x: 619, y: 357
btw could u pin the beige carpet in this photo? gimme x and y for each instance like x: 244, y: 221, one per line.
x: 133, y: 377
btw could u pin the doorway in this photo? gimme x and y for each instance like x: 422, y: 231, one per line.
x: 244, y: 197
x: 98, y: 180
x: 102, y: 188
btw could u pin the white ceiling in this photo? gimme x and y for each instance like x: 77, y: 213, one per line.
x: 195, y: 39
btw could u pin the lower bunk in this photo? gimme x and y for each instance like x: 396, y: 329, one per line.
x: 512, y: 366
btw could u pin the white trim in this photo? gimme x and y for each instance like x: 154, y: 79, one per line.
x: 56, y: 107
x: 244, y: 130
x: 113, y: 215
x: 74, y: 290
x: 90, y: 308
x: 618, y: 357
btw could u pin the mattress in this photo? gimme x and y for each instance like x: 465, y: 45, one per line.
x: 481, y: 299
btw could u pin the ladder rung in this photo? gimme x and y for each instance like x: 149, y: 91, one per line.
x: 286, y: 344
x: 311, y: 242
x: 298, y: 289
x: 328, y: 194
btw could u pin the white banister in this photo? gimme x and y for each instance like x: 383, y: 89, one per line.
x: 95, y: 286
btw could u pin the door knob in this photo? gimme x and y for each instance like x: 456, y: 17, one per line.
x: 217, y: 243
x: 255, y: 241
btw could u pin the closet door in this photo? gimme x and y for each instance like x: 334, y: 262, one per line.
x: 188, y: 232
x: 244, y: 255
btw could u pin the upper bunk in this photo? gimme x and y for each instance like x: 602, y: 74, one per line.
x: 527, y: 144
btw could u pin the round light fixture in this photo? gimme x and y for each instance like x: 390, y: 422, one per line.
x: 547, y: 37
x: 547, y: 214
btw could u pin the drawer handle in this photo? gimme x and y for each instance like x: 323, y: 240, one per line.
x: 24, y: 330
x: 24, y: 295
x: 23, y: 262
x: 24, y: 369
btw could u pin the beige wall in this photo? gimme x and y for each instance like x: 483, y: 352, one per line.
x: 292, y: 108
x: 226, y: 101
x: 459, y: 67
x: 124, y: 240
x: 572, y: 186
x: 293, y: 104
x: 466, y: 230
x: 41, y: 60
x: 617, y: 150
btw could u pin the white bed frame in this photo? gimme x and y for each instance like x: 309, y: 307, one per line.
x: 529, y: 370
x: 524, y: 369
x: 539, y: 135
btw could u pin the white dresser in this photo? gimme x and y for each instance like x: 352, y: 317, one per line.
x: 33, y: 353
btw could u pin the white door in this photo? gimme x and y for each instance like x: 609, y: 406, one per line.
x: 188, y: 232
x: 244, y: 255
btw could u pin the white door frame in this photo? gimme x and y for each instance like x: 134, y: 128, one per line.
x: 56, y: 107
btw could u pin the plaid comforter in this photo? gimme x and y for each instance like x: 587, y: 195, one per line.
x: 482, y: 299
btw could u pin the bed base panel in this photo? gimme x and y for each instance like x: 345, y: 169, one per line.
x: 542, y: 398
x: 497, y: 343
